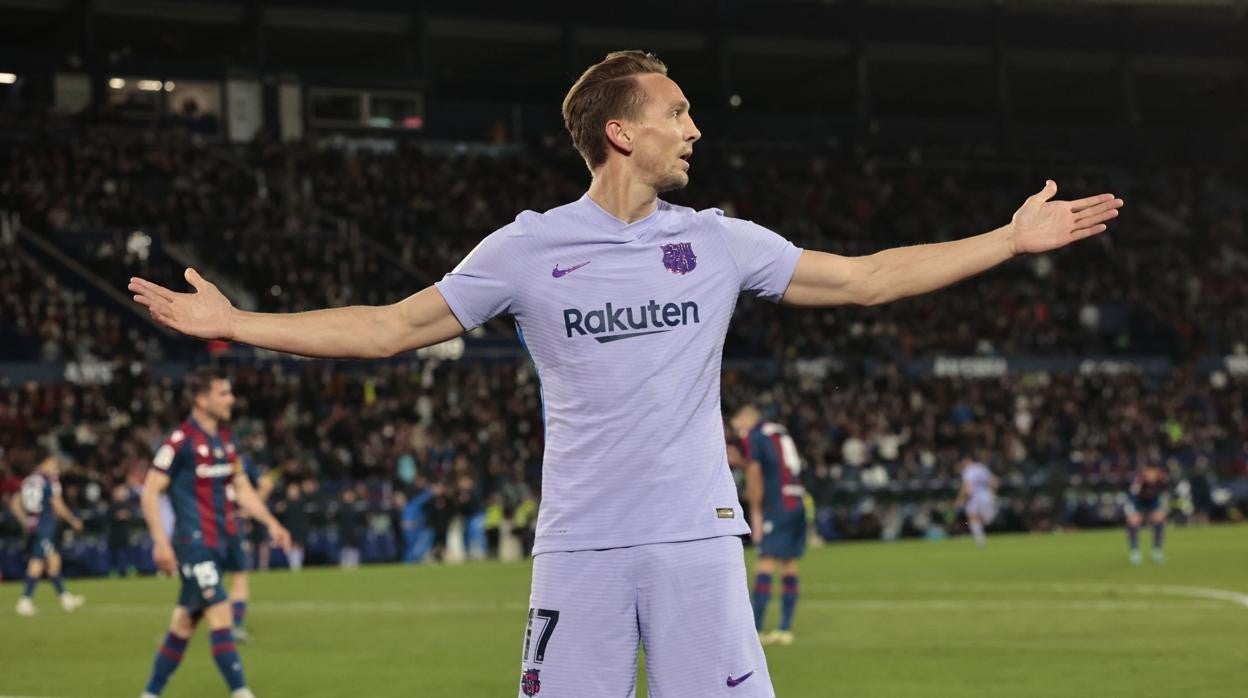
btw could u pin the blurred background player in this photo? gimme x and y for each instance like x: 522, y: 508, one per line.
x: 238, y: 561
x: 122, y: 513
x: 198, y: 463
x: 979, y: 495
x: 1148, y: 499
x: 777, y: 514
x: 293, y: 513
x: 38, y: 505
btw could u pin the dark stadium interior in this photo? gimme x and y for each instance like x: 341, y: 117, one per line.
x: 846, y: 126
x: 304, y: 154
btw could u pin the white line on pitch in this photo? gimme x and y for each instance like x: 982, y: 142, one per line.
x: 1003, y: 605
x: 334, y: 607
x: 1234, y: 597
x: 817, y: 603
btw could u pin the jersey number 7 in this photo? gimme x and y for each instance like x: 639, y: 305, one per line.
x: 548, y: 619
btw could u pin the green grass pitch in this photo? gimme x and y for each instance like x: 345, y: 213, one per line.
x: 1041, y: 615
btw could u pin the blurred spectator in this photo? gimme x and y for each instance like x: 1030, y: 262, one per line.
x: 123, y: 517
x: 439, y: 510
x: 351, y: 525
x: 293, y: 514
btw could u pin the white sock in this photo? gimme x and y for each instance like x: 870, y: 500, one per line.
x: 977, y: 530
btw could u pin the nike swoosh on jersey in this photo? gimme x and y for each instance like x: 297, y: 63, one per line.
x: 733, y: 683
x: 557, y: 273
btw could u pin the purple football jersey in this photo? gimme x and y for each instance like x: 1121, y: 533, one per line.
x: 978, y: 478
x: 626, y: 326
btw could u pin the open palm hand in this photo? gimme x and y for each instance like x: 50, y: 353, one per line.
x: 1042, y: 224
x: 204, y: 314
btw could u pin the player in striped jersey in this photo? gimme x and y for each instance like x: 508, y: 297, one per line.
x: 777, y: 514
x: 1148, y: 500
x: 37, y: 506
x: 200, y: 466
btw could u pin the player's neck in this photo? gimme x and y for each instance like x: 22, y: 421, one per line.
x: 621, y: 195
x: 205, y: 421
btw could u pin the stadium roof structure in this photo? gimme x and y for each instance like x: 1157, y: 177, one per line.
x: 1108, y: 61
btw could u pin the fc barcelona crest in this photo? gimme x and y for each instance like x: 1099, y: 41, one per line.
x: 679, y: 258
x: 531, y: 682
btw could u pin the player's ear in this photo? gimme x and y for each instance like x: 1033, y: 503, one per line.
x: 619, y: 136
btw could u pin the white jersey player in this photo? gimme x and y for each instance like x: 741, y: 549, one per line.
x: 979, y: 496
x: 624, y: 302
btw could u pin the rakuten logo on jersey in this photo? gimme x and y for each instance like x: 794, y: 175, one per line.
x: 611, y: 324
x: 218, y: 470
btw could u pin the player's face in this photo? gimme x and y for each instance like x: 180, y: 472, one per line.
x: 740, y: 426
x: 744, y: 421
x: 663, y: 138
x: 218, y: 400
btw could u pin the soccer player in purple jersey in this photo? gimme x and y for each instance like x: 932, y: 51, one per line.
x: 978, y: 497
x: 37, y: 506
x: 623, y: 300
x: 200, y: 466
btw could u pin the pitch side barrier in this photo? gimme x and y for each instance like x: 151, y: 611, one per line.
x: 997, y: 366
x: 103, y: 372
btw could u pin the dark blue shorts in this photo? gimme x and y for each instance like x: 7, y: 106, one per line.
x: 200, y: 569
x: 784, y: 536
x: 40, y: 547
x: 1144, y: 507
x: 235, y: 556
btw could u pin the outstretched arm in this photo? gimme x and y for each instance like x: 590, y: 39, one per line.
x: 1039, y: 225
x: 354, y: 332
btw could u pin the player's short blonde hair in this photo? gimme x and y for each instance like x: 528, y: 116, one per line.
x: 606, y: 90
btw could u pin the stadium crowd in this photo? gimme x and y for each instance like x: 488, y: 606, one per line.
x: 43, y: 318
x: 402, y: 450
x: 300, y: 226
x: 392, y: 457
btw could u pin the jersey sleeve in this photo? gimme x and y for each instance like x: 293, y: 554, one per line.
x: 240, y: 462
x: 483, y: 285
x: 760, y: 446
x: 765, y: 260
x: 251, y: 468
x: 169, y: 456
